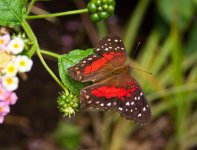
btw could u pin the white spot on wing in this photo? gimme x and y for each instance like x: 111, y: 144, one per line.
x: 127, y: 104
x: 106, y: 49
x: 108, y: 104
x: 138, y: 98
x: 120, y: 108
x: 132, y: 103
x: 115, y: 40
x: 102, y: 104
x: 135, y: 98
x: 139, y: 115
x: 87, y: 96
x: 144, y: 109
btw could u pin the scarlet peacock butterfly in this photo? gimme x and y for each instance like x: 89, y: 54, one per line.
x: 113, y: 87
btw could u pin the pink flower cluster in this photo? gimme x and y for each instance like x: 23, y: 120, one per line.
x: 7, y: 98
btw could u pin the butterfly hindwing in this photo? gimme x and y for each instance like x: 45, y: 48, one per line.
x: 121, y: 93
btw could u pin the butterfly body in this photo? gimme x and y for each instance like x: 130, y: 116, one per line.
x: 113, y: 87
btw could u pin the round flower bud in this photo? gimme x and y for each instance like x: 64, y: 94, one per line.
x: 95, y: 17
x: 103, y: 15
x: 92, y: 8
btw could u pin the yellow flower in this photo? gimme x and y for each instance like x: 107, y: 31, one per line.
x: 11, y: 69
x: 16, y: 45
x: 24, y: 63
x: 10, y: 83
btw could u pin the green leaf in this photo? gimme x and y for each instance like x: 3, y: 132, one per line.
x: 68, y: 60
x: 12, y: 12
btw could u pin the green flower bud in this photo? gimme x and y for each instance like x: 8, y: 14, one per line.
x: 110, y: 10
x: 103, y: 15
x: 98, y: 3
x: 111, y: 2
x: 92, y: 8
x: 68, y: 103
x: 104, y: 1
x: 105, y: 7
x: 100, y: 9
x: 95, y: 17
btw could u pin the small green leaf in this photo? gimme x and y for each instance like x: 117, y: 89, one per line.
x: 12, y: 12
x: 68, y: 60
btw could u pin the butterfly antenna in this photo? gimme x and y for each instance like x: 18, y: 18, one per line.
x: 136, y: 49
x: 141, y: 70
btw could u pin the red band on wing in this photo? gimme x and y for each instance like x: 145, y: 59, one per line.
x: 112, y: 91
x: 100, y: 62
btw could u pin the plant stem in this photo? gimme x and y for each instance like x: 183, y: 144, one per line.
x: 85, y: 10
x: 32, y: 37
x: 52, y: 54
x: 31, y: 3
x: 48, y: 69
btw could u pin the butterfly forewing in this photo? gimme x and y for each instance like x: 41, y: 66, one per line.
x: 109, y: 44
x: 109, y: 53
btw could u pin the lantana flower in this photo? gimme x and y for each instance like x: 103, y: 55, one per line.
x: 24, y: 63
x: 12, y: 61
x: 7, y: 98
x: 16, y: 45
x: 4, y: 39
x: 10, y: 82
x: 10, y: 98
x: 4, y: 110
x: 11, y: 69
x: 3, y: 93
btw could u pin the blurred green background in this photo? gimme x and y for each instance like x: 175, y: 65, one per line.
x: 167, y: 31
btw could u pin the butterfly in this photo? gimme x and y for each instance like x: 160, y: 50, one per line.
x: 113, y: 87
